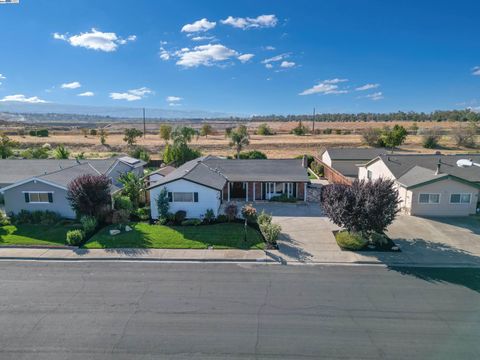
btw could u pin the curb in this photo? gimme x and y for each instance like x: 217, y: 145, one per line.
x: 95, y: 259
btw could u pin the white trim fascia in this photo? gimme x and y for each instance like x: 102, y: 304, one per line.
x: 34, y: 179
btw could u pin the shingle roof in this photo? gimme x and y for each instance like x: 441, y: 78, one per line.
x: 215, y: 172
x: 64, y: 176
x: 399, y: 165
x: 419, y: 175
x: 164, y: 171
x: 355, y: 153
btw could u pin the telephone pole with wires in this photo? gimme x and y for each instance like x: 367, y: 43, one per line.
x: 144, y: 126
x: 313, y: 122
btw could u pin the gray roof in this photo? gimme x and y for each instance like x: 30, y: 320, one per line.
x: 354, y: 153
x: 419, y: 175
x: 13, y: 170
x: 164, y: 171
x: 214, y: 172
x: 64, y: 176
x: 420, y: 164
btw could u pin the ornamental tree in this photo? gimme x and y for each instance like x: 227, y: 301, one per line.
x: 364, y: 206
x: 90, y: 195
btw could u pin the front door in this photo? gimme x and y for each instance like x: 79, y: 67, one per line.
x: 238, y: 190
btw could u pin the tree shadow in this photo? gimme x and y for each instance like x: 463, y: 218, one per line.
x: 287, y: 246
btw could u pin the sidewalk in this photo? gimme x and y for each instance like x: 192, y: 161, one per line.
x: 134, y: 254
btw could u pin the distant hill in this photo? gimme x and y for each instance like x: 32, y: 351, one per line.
x: 21, y: 111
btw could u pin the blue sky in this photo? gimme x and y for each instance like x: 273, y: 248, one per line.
x: 248, y: 57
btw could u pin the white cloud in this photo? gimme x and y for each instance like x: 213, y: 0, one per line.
x: 326, y: 87
x: 476, y: 71
x: 206, y: 55
x: 367, y: 87
x: 245, y: 57
x: 2, y: 78
x: 95, y: 40
x: 72, y: 85
x: 375, y: 96
x: 199, y: 26
x: 172, y: 99
x: 268, y: 66
x: 269, y: 48
x: 87, y: 94
x: 275, y: 58
x: 202, y: 38
x: 131, y: 95
x: 22, y: 98
x: 164, y: 54
x: 287, y: 64
x: 262, y: 21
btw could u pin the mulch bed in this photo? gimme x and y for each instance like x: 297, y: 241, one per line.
x: 390, y: 246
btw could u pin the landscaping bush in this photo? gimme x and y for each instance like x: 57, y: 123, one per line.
x: 120, y: 217
x: 317, y: 168
x: 75, y: 237
x: 350, y: 240
x: 123, y: 203
x: 89, y: 225
x: 36, y: 217
x: 221, y: 219
x: 191, y: 222
x: 180, y: 216
x: 379, y: 239
x: 264, y: 218
x: 209, y: 216
x: 231, y: 211
x: 142, y: 213
x: 249, y: 213
x: 283, y: 198
x: 270, y: 232
x: 4, y: 220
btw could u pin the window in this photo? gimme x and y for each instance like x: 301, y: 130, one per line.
x: 183, y: 197
x: 38, y: 197
x: 369, y: 174
x: 460, y: 198
x: 429, y: 198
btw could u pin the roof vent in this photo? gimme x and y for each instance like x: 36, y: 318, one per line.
x: 439, y: 164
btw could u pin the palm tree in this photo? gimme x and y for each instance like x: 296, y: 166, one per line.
x: 238, y: 140
x: 61, y: 152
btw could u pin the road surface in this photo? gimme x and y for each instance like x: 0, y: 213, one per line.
x: 219, y: 311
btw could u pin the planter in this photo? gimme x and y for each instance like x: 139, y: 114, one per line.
x: 390, y: 246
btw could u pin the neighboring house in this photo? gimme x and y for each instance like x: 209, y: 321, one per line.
x: 340, y: 164
x: 42, y: 184
x: 429, y: 185
x: 206, y: 182
x: 157, y: 175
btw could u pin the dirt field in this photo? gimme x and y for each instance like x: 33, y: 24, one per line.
x: 281, y: 145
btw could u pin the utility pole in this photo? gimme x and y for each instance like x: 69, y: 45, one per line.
x: 313, y: 122
x: 144, y: 126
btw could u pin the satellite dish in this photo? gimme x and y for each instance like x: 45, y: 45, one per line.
x: 463, y: 163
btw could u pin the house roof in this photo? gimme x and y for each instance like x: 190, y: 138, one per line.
x: 13, y: 170
x: 400, y: 165
x: 215, y: 172
x: 354, y: 153
x: 164, y: 171
x: 419, y: 175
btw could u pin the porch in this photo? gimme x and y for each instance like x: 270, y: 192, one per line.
x: 257, y: 191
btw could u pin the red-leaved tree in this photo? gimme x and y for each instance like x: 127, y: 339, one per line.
x: 364, y: 206
x: 90, y: 195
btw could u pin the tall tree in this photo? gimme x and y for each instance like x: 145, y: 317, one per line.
x: 206, y: 130
x: 165, y: 132
x: 90, y: 195
x: 394, y: 137
x: 239, y: 139
x: 131, y: 136
x: 6, y: 146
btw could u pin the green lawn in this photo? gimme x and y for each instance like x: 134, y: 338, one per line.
x: 143, y: 235
x: 29, y: 234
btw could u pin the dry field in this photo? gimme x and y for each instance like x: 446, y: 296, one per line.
x: 282, y: 145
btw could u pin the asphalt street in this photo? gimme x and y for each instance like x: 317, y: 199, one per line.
x: 99, y: 310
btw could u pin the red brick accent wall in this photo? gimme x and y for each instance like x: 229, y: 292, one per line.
x: 225, y: 192
x: 258, y: 191
x: 301, y: 191
x: 250, y: 191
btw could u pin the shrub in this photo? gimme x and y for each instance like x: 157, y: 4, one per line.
x: 249, y: 213
x: 327, y: 131
x: 120, y: 217
x: 209, y: 216
x: 90, y: 195
x: 265, y: 130
x: 264, y: 218
x: 4, y: 220
x: 180, y: 215
x: 140, y: 153
x: 36, y: 217
x: 231, y: 211
x: 300, y: 130
x: 283, y: 198
x: 254, y: 154
x: 35, y: 153
x: 39, y: 132
x: 93, y: 132
x: 430, y: 141
x: 317, y: 168
x: 142, y: 213
x: 89, y: 224
x: 191, y: 222
x: 123, y: 203
x: 270, y: 232
x: 75, y: 237
x: 363, y: 207
x: 310, y: 158
x: 350, y: 241
x: 378, y: 239
x: 222, y: 218
x: 373, y: 137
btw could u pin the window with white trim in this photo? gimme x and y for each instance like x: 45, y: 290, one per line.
x: 183, y: 197
x: 462, y: 198
x: 429, y: 198
x: 369, y: 174
x: 38, y: 197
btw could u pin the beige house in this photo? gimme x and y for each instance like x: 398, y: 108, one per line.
x: 429, y: 185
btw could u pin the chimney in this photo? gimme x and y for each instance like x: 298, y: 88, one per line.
x: 439, y: 164
x: 305, y: 161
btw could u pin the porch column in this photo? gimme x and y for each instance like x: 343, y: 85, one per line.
x: 228, y: 192
x: 261, y: 191
x: 296, y: 190
x: 305, y: 192
x: 254, y: 185
x: 246, y: 192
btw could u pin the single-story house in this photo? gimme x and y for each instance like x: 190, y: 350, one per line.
x: 34, y: 188
x: 340, y: 164
x: 429, y: 185
x: 206, y: 182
